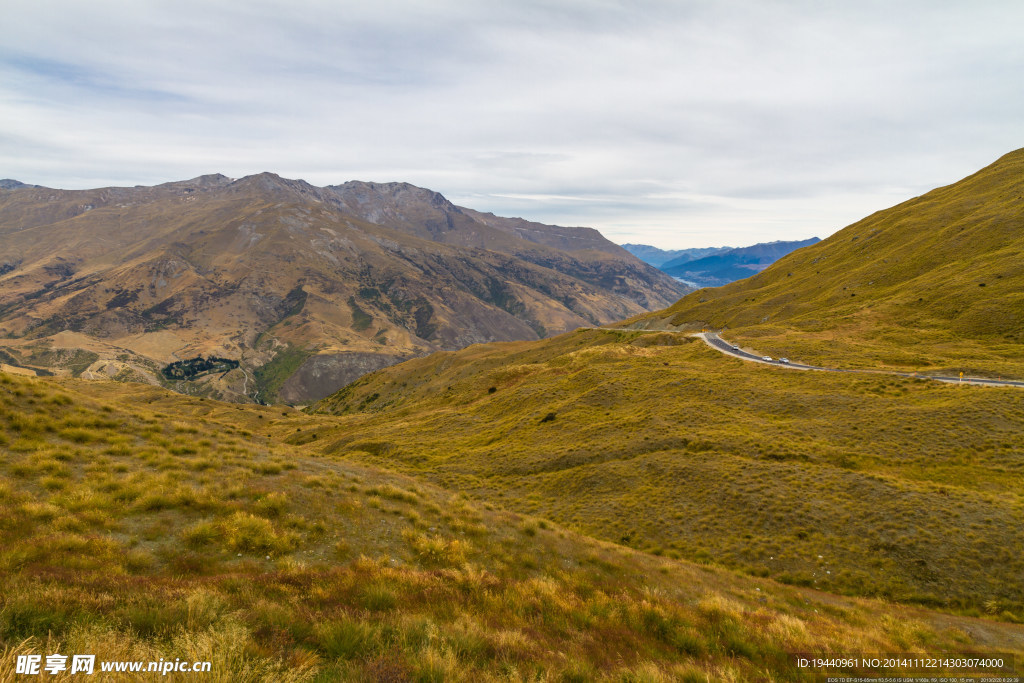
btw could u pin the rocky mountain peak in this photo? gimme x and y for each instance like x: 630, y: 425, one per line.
x: 401, y: 195
x: 273, y: 184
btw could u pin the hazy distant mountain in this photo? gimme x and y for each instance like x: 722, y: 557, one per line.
x: 9, y: 184
x: 714, y: 266
x: 307, y: 287
x: 657, y: 257
x: 732, y: 264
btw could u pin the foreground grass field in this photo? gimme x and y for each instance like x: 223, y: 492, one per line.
x: 139, y: 525
x: 877, y: 486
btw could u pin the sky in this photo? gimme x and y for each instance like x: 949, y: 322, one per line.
x: 676, y: 124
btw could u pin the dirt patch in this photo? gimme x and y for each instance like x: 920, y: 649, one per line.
x: 14, y: 370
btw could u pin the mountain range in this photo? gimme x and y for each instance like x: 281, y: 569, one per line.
x: 657, y: 257
x: 615, y: 504
x: 734, y: 264
x: 305, y: 287
x: 716, y: 266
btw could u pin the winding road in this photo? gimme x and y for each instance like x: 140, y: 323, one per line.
x: 714, y: 341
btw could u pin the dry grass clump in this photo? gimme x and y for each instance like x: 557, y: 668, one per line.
x: 437, y: 551
x: 242, y: 532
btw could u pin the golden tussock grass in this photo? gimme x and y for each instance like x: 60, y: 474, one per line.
x: 880, y: 486
x: 334, y: 570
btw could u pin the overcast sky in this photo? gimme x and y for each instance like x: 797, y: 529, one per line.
x: 668, y: 123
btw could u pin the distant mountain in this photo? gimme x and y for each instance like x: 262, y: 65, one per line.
x: 9, y: 184
x: 306, y: 287
x: 714, y: 266
x: 657, y: 257
x: 731, y: 264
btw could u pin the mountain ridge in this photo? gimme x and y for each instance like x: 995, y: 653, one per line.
x: 264, y: 268
x: 657, y: 256
x: 732, y: 264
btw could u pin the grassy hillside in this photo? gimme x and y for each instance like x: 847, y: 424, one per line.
x: 935, y: 283
x: 139, y: 524
x: 906, y: 489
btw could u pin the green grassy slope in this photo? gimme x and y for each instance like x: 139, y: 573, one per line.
x: 907, y: 489
x: 936, y: 282
x: 140, y: 525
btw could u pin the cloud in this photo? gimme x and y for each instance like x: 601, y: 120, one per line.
x: 684, y: 122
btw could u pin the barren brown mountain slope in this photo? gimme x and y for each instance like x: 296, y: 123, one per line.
x: 307, y: 287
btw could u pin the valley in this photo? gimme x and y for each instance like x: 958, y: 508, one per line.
x: 512, y: 342
x: 745, y: 465
x: 632, y: 498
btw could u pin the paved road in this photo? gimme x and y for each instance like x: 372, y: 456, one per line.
x: 714, y: 341
x: 719, y: 344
